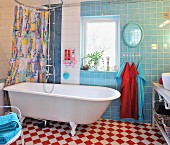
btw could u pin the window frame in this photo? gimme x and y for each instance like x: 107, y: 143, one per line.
x: 88, y: 19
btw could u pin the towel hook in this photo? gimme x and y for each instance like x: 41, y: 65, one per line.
x: 139, y: 58
x: 124, y: 57
x: 127, y: 57
x: 132, y: 57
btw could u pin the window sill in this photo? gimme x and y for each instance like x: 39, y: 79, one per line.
x: 100, y: 71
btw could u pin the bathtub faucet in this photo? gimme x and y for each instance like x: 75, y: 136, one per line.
x: 48, y: 74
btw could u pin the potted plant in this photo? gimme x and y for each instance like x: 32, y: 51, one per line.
x: 94, y: 58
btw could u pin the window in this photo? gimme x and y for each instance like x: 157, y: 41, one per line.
x: 101, y: 33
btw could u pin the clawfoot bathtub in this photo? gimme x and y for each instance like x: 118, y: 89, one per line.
x: 75, y: 104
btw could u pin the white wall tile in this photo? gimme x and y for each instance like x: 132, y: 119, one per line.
x: 71, y: 39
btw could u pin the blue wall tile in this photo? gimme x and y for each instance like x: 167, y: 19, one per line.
x: 55, y: 44
x: 149, y: 16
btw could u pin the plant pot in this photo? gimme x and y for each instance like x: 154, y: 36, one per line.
x: 96, y: 67
x: 85, y: 67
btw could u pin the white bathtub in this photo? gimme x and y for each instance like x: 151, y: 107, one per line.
x: 67, y: 103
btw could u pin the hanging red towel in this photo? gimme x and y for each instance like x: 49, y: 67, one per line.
x: 125, y: 100
x: 134, y: 91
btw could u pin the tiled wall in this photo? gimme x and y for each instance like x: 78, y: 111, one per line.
x: 106, y: 79
x: 149, y: 16
x: 71, y: 39
x: 55, y: 43
x: 6, y: 25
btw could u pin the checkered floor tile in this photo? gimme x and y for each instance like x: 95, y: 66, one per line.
x: 101, y: 132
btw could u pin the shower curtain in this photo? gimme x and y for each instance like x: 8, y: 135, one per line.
x: 29, y: 47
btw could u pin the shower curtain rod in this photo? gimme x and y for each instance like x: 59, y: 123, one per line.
x: 53, y: 6
x: 131, y: 1
x: 41, y: 8
x: 108, y: 1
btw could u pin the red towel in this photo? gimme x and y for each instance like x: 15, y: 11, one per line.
x: 134, y: 91
x: 129, y: 92
x: 125, y: 100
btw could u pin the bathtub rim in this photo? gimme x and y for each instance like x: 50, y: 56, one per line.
x: 117, y: 93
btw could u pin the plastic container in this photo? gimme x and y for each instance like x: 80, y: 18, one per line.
x: 167, y: 105
x: 166, y: 80
x: 160, y: 111
x: 166, y: 124
x: 65, y: 55
x: 158, y: 117
x: 69, y: 54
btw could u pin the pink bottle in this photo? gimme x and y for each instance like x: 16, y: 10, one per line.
x: 66, y: 54
x: 69, y: 54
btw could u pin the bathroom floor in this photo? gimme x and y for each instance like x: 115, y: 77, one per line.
x: 99, y: 133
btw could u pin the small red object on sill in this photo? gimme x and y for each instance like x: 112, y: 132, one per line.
x: 160, y: 81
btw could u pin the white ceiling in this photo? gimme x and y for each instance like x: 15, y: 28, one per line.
x: 4, y: 3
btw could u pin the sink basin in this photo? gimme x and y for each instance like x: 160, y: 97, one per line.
x: 166, y: 80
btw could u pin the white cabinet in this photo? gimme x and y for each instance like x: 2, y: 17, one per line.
x: 165, y: 94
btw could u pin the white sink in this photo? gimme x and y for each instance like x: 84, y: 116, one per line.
x: 166, y: 80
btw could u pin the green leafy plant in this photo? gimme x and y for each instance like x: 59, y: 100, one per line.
x: 93, y: 58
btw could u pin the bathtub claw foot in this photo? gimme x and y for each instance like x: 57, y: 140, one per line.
x: 73, y: 128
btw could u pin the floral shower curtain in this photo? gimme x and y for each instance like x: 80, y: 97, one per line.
x: 29, y: 46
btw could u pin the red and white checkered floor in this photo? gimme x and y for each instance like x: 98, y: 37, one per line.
x: 101, y: 132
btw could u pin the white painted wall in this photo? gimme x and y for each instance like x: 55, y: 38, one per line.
x: 71, y: 39
x: 6, y: 26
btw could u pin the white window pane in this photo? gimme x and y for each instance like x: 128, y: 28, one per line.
x: 101, y: 36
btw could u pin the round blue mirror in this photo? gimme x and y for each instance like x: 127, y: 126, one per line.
x: 132, y: 34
